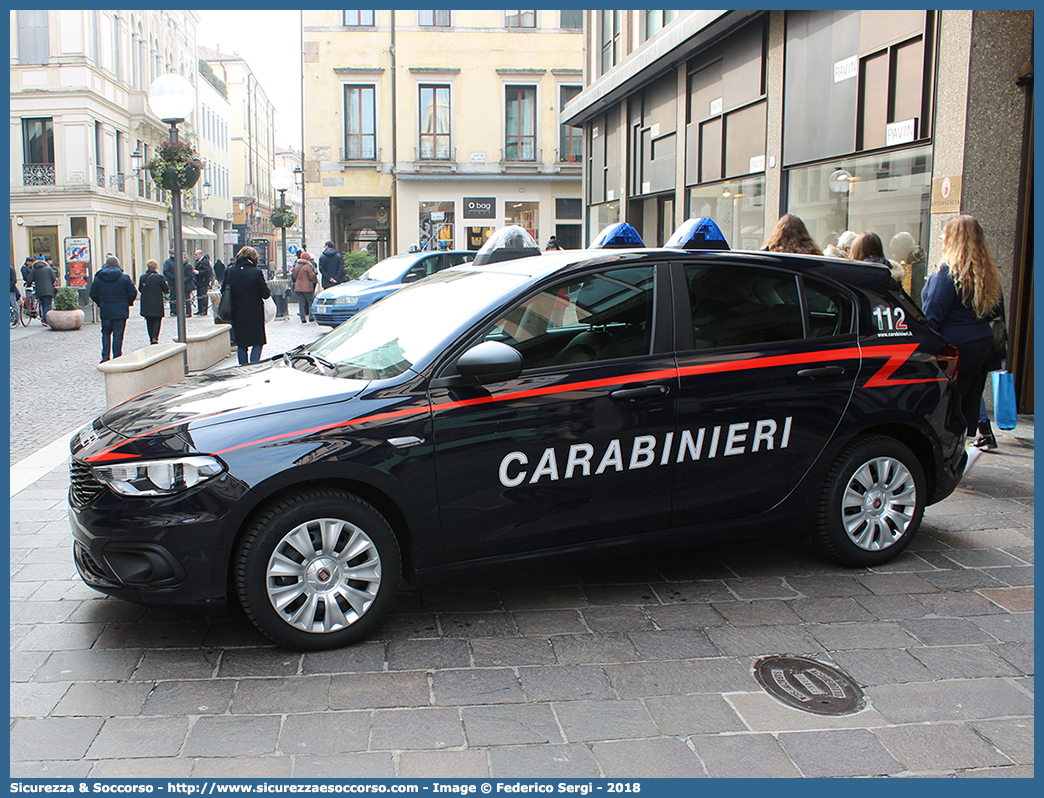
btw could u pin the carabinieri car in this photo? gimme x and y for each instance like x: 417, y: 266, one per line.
x: 550, y: 407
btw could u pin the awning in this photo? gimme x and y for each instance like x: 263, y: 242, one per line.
x: 188, y: 231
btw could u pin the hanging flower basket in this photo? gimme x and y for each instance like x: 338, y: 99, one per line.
x: 175, y: 166
x: 283, y: 216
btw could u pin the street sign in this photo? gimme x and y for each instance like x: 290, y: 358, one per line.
x: 261, y: 245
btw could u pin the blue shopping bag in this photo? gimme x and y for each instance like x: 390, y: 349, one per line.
x: 1004, y: 409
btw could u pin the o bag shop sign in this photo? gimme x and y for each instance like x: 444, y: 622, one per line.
x: 480, y: 207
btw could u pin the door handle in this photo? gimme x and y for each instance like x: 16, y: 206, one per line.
x: 822, y: 371
x: 640, y: 392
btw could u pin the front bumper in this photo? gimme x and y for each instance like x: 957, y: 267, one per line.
x: 166, y: 551
x: 331, y: 319
x: 333, y: 315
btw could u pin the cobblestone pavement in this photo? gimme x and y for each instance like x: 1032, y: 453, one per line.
x: 636, y: 668
x: 56, y: 387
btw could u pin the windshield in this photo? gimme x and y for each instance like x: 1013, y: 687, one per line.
x: 391, y: 336
x: 389, y: 268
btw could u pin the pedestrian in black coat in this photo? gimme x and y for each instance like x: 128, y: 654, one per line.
x: 249, y: 292
x: 331, y: 266
x: 189, y: 276
x: 44, y: 281
x: 204, y: 277
x: 219, y: 270
x: 113, y: 292
x: 169, y: 275
x: 188, y: 282
x: 152, y: 286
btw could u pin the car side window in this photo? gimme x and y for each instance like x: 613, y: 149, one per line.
x: 830, y: 312
x: 421, y: 269
x: 457, y: 258
x: 597, y: 317
x: 736, y: 305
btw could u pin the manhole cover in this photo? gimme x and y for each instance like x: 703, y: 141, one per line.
x: 809, y: 685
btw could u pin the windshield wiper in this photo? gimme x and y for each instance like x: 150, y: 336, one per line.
x: 321, y: 364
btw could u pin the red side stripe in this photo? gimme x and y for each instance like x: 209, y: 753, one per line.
x: 896, y: 355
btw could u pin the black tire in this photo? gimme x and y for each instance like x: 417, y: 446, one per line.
x: 872, y: 502
x: 331, y: 592
x: 23, y: 317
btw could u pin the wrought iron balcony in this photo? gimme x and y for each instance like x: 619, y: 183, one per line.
x: 38, y: 174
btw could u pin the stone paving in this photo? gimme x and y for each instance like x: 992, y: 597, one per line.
x: 636, y: 668
x: 42, y: 361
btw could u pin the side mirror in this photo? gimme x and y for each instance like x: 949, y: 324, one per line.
x: 490, y: 361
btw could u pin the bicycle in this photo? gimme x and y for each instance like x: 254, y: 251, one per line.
x: 28, y: 308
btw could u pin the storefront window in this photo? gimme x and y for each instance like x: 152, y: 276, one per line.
x: 601, y: 216
x: 888, y: 194
x: 436, y: 225
x: 44, y: 241
x: 477, y: 236
x: 736, y: 206
x: 523, y: 214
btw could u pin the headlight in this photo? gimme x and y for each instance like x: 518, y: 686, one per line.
x: 347, y: 300
x: 158, y: 477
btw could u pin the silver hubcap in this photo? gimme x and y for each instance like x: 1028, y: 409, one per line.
x: 323, y: 575
x: 879, y: 503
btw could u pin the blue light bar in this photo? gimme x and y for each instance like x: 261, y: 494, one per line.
x: 699, y: 233
x: 618, y: 236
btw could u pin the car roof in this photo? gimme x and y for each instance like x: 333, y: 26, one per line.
x: 425, y: 253
x: 561, y: 263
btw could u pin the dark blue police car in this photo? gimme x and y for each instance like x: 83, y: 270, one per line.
x: 539, y: 408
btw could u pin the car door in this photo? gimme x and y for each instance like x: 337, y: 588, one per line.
x: 569, y: 452
x: 767, y: 365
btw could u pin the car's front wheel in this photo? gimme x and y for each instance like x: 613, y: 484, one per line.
x: 872, y: 502
x: 318, y: 570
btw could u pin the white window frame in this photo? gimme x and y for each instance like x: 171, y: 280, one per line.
x: 370, y: 84
x: 447, y: 84
x: 537, y: 150
x: 520, y: 12
x: 346, y: 24
x: 434, y: 23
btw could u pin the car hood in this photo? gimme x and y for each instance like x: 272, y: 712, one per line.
x: 360, y: 288
x: 228, y: 395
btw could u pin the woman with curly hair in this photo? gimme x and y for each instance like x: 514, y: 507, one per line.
x: 959, y: 300
x: 249, y: 292
x: 791, y: 235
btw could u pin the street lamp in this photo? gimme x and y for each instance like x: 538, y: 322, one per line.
x: 172, y: 99
x: 299, y: 181
x: 281, y: 181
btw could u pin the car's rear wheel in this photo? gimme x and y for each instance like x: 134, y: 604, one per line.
x: 872, y: 502
x: 318, y: 570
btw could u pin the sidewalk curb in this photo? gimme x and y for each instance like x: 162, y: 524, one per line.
x: 40, y: 463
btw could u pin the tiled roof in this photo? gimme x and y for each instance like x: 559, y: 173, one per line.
x: 210, y: 54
